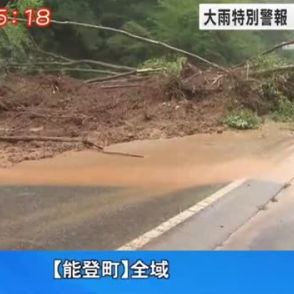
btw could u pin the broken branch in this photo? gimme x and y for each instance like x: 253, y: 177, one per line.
x: 122, y: 86
x: 121, y: 75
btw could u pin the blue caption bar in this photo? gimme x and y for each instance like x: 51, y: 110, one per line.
x: 147, y: 272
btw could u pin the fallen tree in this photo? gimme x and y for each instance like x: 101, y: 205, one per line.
x: 128, y: 71
x: 139, y: 38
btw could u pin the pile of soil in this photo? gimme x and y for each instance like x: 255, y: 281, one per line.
x: 107, y: 113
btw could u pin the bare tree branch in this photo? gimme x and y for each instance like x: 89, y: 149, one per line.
x: 121, y: 75
x: 122, y: 86
x: 276, y: 47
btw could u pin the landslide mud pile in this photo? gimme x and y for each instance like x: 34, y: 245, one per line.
x: 113, y: 111
x: 106, y: 112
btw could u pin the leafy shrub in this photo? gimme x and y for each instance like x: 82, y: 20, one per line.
x: 269, y: 61
x: 284, y: 111
x: 243, y: 119
x: 14, y: 40
x: 169, y: 67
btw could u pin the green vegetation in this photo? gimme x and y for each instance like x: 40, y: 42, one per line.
x: 243, y: 119
x: 171, y: 21
x: 284, y: 111
x: 172, y: 67
x: 14, y: 40
x: 269, y: 61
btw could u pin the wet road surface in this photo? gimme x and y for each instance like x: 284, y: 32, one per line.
x: 87, y: 200
x: 85, y: 217
x: 271, y: 229
x: 257, y: 215
x: 209, y: 228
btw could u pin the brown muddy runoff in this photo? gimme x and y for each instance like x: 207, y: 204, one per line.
x: 174, y: 163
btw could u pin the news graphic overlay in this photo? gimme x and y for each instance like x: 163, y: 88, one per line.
x: 246, y: 17
x: 119, y: 269
x: 32, y: 17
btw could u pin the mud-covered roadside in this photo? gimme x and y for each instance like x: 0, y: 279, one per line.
x: 106, y: 114
x: 128, y: 109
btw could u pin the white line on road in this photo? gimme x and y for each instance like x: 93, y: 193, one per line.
x: 180, y: 218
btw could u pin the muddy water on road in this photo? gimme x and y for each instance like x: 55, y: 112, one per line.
x: 175, y: 163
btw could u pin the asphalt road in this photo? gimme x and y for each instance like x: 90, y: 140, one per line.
x: 64, y: 202
x: 76, y: 218
x: 257, y: 215
x: 271, y: 229
x: 208, y: 229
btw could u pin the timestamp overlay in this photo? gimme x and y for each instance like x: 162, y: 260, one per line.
x: 33, y: 17
x: 234, y: 16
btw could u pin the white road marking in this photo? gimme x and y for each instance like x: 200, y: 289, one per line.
x: 180, y: 218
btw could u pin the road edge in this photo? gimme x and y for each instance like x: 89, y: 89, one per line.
x: 180, y: 218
